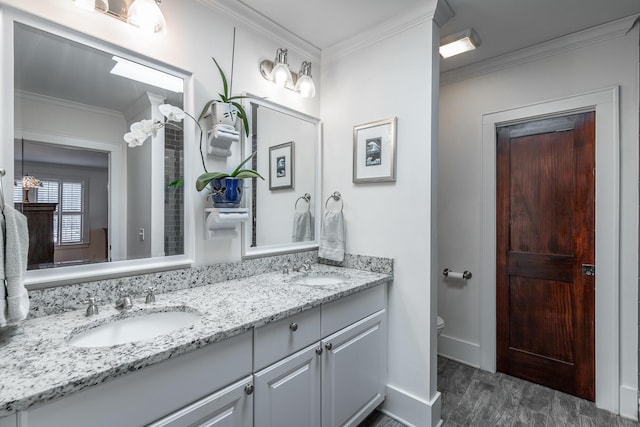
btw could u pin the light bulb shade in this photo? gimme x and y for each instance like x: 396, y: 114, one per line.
x: 99, y: 5
x: 146, y: 15
x: 281, y: 75
x: 305, y: 86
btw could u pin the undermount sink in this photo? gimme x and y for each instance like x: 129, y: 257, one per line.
x: 322, y: 279
x: 135, y: 328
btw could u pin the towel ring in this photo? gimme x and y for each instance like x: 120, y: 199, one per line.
x: 306, y: 198
x: 337, y: 197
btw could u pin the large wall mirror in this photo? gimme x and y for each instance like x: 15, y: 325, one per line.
x: 285, y: 206
x: 97, y: 203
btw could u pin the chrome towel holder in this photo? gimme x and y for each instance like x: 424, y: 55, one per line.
x: 306, y: 198
x: 337, y: 197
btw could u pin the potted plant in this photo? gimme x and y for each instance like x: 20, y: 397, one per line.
x: 226, y: 188
x: 224, y: 110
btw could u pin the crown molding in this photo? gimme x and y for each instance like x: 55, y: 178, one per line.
x: 45, y: 99
x: 257, y: 21
x: 438, y: 11
x: 590, y: 36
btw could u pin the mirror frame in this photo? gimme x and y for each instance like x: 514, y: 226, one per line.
x: 255, y: 252
x: 39, y: 279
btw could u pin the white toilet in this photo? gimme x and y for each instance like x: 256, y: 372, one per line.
x: 440, y: 325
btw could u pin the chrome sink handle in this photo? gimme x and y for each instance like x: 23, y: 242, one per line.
x: 151, y: 297
x: 92, y: 310
x: 124, y: 302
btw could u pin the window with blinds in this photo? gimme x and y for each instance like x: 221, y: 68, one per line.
x: 69, y: 216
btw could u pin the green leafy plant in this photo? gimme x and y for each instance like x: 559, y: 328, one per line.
x: 204, y: 179
x: 227, y: 98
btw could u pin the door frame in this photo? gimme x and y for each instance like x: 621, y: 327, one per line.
x: 605, y: 103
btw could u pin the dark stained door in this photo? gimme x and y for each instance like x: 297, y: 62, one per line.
x: 545, y: 233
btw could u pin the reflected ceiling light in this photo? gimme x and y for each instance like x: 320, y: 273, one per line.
x: 461, y: 42
x: 146, y: 15
x: 142, y: 73
x: 99, y: 5
x: 278, y: 72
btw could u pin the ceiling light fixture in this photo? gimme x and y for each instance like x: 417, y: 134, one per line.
x: 278, y: 72
x: 461, y: 42
x: 142, y: 73
x: 144, y: 14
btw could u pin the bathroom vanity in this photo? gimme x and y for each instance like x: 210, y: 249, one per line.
x: 305, y: 349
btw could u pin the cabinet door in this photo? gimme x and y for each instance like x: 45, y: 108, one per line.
x: 288, y: 392
x: 230, y: 407
x: 9, y: 421
x: 354, y: 371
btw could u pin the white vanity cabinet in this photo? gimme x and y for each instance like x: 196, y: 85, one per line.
x: 288, y: 392
x: 9, y: 421
x: 230, y: 407
x: 338, y: 379
x: 147, y: 395
x: 354, y: 371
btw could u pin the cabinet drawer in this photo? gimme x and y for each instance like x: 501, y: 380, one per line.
x: 345, y: 311
x: 279, y: 339
x: 143, y: 396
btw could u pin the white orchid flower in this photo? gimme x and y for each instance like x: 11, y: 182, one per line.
x: 172, y: 113
x: 135, y: 138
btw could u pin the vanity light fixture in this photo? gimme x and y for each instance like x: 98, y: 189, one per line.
x: 144, y: 14
x: 278, y: 72
x: 142, y: 73
x: 99, y: 5
x: 457, y: 43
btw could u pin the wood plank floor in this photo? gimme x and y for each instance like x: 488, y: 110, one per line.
x: 471, y: 397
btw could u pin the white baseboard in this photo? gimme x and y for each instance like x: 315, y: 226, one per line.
x: 459, y: 350
x: 629, y: 402
x: 410, y: 410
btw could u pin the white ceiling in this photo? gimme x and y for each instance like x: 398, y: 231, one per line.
x: 503, y: 25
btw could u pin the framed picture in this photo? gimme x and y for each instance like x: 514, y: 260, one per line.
x: 281, y: 166
x: 374, y: 151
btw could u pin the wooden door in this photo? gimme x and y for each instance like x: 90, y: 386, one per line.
x: 545, y: 233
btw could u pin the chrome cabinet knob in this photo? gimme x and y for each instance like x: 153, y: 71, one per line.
x: 248, y: 389
x: 328, y: 346
x: 293, y: 326
x: 319, y: 350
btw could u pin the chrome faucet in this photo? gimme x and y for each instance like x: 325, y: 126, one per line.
x: 92, y: 310
x: 151, y: 297
x: 306, y: 266
x: 124, y: 302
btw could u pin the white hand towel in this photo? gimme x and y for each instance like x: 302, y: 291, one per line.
x: 3, y: 289
x: 302, y: 226
x: 332, y: 236
x: 15, y: 263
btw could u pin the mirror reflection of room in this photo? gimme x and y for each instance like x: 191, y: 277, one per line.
x: 87, y: 198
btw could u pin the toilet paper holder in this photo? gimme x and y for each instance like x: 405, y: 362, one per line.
x: 466, y: 275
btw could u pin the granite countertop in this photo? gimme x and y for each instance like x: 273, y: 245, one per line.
x: 38, y: 365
